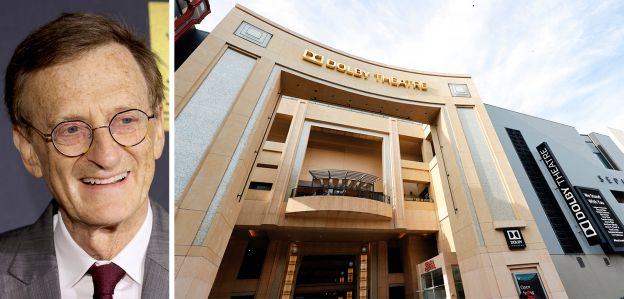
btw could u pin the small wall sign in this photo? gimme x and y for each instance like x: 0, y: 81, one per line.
x: 430, y: 265
x: 514, y: 238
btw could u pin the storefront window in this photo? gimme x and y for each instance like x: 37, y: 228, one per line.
x: 433, y: 284
x: 529, y: 285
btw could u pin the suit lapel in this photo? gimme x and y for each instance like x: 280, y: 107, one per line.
x: 156, y: 277
x: 34, y: 263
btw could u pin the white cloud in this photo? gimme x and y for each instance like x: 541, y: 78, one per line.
x: 559, y: 60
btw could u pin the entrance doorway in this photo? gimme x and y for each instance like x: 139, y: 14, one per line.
x: 327, y: 276
x: 433, y: 284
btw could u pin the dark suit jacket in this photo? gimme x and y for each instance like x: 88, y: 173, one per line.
x: 28, y: 266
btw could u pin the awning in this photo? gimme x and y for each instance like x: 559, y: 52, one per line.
x: 350, y: 175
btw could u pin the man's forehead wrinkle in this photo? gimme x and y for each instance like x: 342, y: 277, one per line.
x: 93, y: 115
x: 113, y: 68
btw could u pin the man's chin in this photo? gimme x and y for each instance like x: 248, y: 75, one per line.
x: 106, y: 210
x: 101, y: 212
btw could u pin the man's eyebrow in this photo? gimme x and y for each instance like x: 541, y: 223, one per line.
x: 52, y: 122
x: 120, y: 108
x: 69, y: 117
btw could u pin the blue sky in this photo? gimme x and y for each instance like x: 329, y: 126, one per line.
x: 559, y: 60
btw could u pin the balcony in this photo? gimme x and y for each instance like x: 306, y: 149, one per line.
x: 339, y: 193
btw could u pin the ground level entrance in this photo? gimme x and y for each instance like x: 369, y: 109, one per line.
x: 326, y: 276
x: 291, y: 265
x: 327, y: 270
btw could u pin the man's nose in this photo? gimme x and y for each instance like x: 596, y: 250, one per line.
x: 104, y: 150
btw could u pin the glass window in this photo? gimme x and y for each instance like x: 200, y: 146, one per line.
x: 619, y: 195
x: 599, y: 154
x: 260, y: 186
x: 438, y: 278
x: 394, y: 259
x: 459, y: 286
x: 253, y: 260
x: 427, y: 281
x: 433, y: 284
x: 529, y: 285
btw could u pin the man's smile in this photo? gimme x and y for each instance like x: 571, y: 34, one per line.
x: 106, y: 180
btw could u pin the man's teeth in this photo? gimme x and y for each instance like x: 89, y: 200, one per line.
x: 111, y: 180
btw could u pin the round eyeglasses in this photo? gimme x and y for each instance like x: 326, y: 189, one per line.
x: 73, y: 138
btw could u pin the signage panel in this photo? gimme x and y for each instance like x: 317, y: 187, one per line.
x: 514, y: 238
x: 529, y: 285
x: 430, y: 265
x: 604, y: 217
x: 356, y: 72
x: 576, y: 205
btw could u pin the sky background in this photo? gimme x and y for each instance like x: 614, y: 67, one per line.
x: 558, y: 60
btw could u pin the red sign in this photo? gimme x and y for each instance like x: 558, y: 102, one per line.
x: 430, y: 265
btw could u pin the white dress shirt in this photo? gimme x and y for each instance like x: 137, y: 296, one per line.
x: 73, y: 262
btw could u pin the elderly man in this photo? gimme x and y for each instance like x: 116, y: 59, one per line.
x: 84, y: 97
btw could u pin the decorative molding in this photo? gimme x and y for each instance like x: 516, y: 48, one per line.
x: 459, y: 90
x: 253, y: 34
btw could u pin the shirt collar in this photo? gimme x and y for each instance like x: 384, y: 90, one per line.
x: 73, y: 261
x: 135, y: 250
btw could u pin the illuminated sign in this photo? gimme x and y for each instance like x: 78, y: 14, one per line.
x: 340, y: 67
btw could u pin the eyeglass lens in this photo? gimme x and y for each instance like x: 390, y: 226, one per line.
x: 73, y: 138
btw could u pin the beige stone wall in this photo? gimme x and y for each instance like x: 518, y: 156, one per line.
x: 459, y: 214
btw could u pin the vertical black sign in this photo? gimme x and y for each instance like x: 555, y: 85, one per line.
x: 578, y: 208
x: 610, y: 226
x: 514, y: 238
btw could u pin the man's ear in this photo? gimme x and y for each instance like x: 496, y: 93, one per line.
x: 159, y: 134
x: 27, y: 152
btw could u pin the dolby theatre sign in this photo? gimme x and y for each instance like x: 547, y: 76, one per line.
x: 591, y: 211
x: 340, y: 67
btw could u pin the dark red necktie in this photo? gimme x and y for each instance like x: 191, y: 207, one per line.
x: 105, y: 278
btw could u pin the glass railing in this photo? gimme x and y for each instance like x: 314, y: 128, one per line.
x: 417, y: 198
x: 339, y: 191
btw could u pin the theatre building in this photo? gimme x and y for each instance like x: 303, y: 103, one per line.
x: 574, y: 187
x: 306, y: 172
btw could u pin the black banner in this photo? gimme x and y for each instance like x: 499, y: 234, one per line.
x: 578, y: 207
x: 608, y: 223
